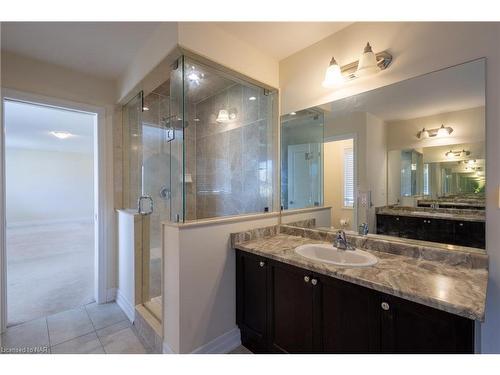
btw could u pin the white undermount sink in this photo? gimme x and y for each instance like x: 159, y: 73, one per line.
x: 329, y: 254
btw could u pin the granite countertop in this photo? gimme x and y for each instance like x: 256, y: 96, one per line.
x: 475, y: 215
x: 455, y: 289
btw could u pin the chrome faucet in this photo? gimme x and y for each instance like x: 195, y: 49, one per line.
x: 341, y: 242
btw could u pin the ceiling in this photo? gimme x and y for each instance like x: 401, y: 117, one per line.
x: 282, y: 39
x: 105, y: 49
x: 447, y: 90
x: 101, y: 49
x: 28, y: 126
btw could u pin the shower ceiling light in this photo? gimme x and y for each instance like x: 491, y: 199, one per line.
x: 369, y: 63
x: 61, y: 134
x: 195, y: 76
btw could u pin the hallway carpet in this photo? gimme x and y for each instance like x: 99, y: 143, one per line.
x: 50, y: 268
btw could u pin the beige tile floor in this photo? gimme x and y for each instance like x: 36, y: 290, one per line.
x: 89, y: 329
x: 50, y: 268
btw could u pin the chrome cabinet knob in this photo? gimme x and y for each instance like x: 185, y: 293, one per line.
x: 262, y: 264
x: 306, y: 279
x: 314, y: 281
x: 385, y: 306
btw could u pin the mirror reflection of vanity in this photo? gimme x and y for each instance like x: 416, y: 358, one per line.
x: 407, y: 159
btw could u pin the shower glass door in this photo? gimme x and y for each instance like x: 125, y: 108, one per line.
x: 148, y: 136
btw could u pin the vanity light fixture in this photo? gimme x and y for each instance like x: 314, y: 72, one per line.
x: 455, y: 154
x: 226, y: 116
x: 333, y: 74
x: 369, y: 63
x: 442, y: 131
x: 61, y: 134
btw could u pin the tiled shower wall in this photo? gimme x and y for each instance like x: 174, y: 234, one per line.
x: 231, y: 163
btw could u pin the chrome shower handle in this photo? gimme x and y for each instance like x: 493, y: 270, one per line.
x: 139, y: 205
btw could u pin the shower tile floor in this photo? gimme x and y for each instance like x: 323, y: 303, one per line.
x: 50, y: 268
x: 89, y: 329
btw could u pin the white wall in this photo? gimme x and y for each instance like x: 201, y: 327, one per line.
x: 48, y: 186
x: 417, y: 48
x: 37, y: 77
x: 64, y: 87
x: 468, y: 127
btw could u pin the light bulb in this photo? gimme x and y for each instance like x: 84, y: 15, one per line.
x: 449, y: 154
x: 223, y: 116
x: 424, y: 134
x: 442, y: 131
x: 367, y: 62
x: 333, y: 74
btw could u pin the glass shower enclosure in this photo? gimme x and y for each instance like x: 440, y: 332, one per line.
x: 200, y: 145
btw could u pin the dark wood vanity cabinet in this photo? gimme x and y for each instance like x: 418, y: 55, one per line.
x: 462, y: 233
x: 286, y: 309
x: 291, y: 310
x: 251, y: 301
x: 412, y: 328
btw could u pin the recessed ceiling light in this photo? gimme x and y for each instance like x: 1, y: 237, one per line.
x: 61, y: 135
x: 145, y: 108
x: 293, y: 113
x: 252, y: 98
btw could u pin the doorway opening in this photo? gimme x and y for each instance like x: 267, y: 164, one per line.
x: 340, y: 182
x: 51, y: 209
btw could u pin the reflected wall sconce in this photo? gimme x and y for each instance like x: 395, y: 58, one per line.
x: 436, y: 132
x: 456, y: 154
x: 369, y: 63
x: 226, y: 116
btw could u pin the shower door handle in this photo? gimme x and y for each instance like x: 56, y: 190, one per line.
x: 140, y: 201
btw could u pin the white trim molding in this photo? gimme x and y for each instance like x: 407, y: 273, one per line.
x: 126, y: 306
x: 220, y: 345
x: 111, y: 295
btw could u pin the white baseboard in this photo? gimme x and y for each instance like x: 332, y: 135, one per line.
x: 111, y: 295
x: 222, y: 344
x: 126, y: 306
x: 167, y: 349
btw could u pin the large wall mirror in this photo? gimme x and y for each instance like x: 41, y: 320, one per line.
x: 407, y: 160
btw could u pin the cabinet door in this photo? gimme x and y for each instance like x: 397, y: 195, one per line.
x: 438, y: 230
x: 251, y: 300
x: 388, y: 225
x: 408, y: 327
x: 410, y: 227
x: 349, y: 318
x: 470, y: 233
x: 291, y: 310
